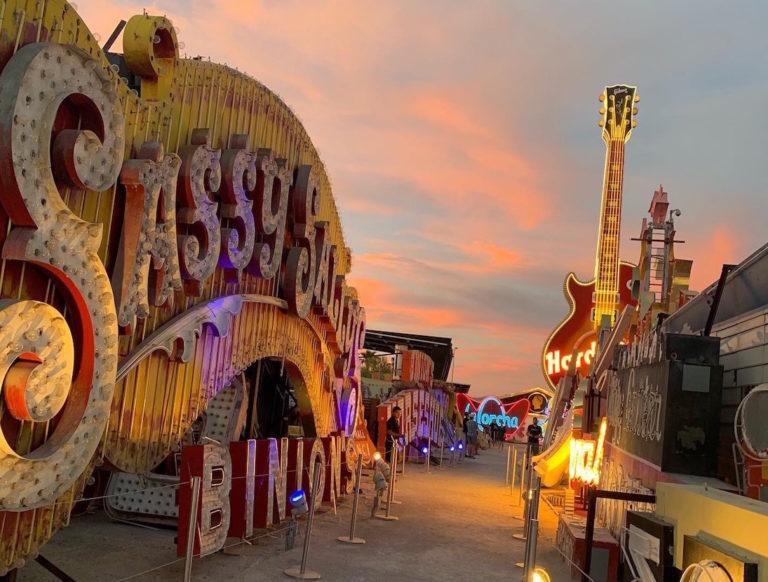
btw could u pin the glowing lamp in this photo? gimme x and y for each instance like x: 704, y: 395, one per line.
x: 461, y: 446
x: 540, y: 575
x: 299, y: 502
x: 453, y: 448
x: 424, y: 450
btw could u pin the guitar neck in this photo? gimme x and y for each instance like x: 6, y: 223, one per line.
x: 609, y: 234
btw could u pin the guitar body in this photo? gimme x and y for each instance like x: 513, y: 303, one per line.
x: 577, y: 330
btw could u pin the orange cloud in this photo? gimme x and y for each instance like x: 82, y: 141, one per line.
x: 443, y: 114
x: 385, y: 303
x: 724, y: 246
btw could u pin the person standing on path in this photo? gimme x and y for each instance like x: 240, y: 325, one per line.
x: 471, y: 436
x: 534, y: 433
x: 393, y: 431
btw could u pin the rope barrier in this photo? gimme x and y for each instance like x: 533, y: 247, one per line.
x: 273, y: 533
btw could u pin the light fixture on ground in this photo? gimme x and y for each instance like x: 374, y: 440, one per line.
x: 299, y: 503
x: 298, y: 500
x: 540, y: 575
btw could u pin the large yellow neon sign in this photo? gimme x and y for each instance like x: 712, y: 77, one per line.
x: 587, y: 458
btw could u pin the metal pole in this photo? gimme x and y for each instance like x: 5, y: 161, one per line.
x: 429, y: 452
x: 405, y: 450
x: 351, y: 539
x: 522, y: 478
x: 192, y: 527
x: 391, y: 491
x: 509, y: 460
x: 526, y: 480
x: 442, y: 446
x: 514, y: 472
x: 533, y: 529
x: 528, y: 476
x: 394, y: 475
x: 301, y: 571
x: 589, y: 534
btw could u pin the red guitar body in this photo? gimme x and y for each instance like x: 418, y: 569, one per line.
x: 577, y: 331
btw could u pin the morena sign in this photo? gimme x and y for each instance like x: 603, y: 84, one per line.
x: 491, y: 410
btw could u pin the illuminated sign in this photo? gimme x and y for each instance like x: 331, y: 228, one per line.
x: 587, y: 458
x: 492, y: 411
x: 558, y: 363
x: 168, y: 224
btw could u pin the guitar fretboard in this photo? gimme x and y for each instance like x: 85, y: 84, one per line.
x: 608, y: 241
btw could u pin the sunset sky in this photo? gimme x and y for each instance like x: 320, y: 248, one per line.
x: 462, y: 142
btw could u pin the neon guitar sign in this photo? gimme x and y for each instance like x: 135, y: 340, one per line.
x: 600, y: 300
x: 491, y: 410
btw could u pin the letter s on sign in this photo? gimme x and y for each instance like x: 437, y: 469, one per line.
x: 52, y: 94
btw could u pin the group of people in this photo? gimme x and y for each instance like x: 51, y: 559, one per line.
x: 496, y: 433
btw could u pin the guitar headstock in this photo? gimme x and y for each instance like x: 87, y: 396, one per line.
x: 618, y: 112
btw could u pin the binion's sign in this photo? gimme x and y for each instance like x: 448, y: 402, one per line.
x: 491, y: 411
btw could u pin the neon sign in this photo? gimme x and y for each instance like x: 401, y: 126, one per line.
x: 492, y: 411
x: 587, y: 458
x: 558, y: 364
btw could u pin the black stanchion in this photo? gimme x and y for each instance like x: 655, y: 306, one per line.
x: 351, y: 539
x: 301, y: 571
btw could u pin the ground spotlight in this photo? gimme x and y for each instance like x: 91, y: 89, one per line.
x: 424, y: 450
x: 540, y: 575
x: 461, y: 446
x: 377, y: 456
x: 299, y: 502
x: 452, y: 448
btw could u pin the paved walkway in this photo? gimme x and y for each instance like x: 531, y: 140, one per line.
x: 456, y: 523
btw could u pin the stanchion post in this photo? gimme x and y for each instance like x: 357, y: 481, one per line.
x: 533, y: 529
x: 513, y: 448
x: 405, y: 450
x: 391, y: 491
x: 523, y: 468
x: 351, y: 539
x: 442, y: 445
x: 509, y: 460
x: 196, y: 483
x: 301, y: 572
x: 526, y: 479
x: 429, y: 452
x: 394, y: 476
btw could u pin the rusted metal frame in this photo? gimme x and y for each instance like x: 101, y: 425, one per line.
x: 589, y: 535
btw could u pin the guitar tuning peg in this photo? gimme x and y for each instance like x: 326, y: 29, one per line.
x: 637, y: 98
x: 601, y: 111
x: 634, y: 111
x: 634, y: 123
x: 601, y: 98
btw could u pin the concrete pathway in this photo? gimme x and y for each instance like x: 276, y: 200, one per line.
x: 456, y: 523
